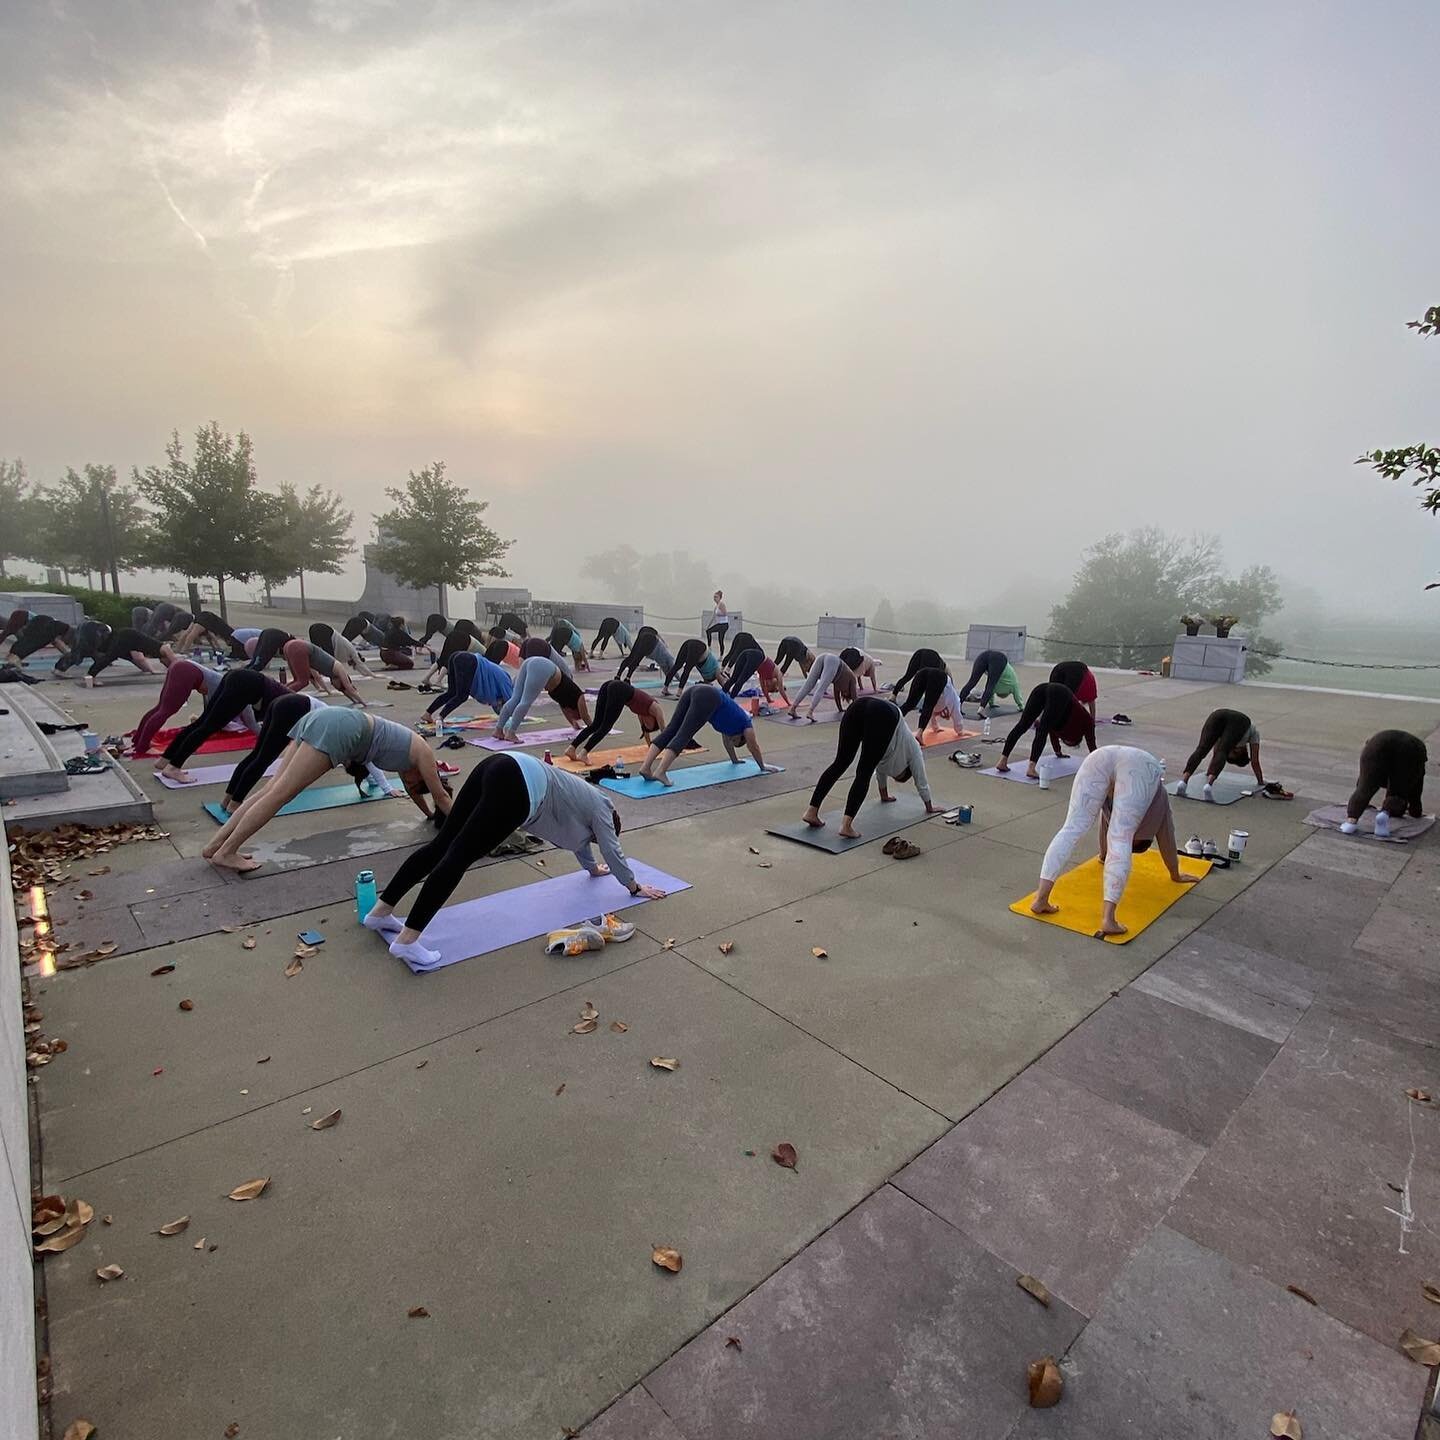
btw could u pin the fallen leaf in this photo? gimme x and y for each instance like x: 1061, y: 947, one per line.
x: 186, y: 1005
x: 158, y: 1070
x: 175, y: 1227
x: 666, y: 1258
x: 1305, y: 1295
x: 1031, y: 1286
x: 1420, y: 1350
x: 47, y: 1214
x: 250, y: 1190
x: 263, y: 1060
x: 619, y: 1026
x: 1285, y: 1425
x: 765, y: 865
x: 79, y: 1430
x: 1046, y: 1383
x: 108, y: 1272
x: 1431, y: 1293
x: 107, y: 1219
x: 293, y: 968
x: 664, y: 1062
x: 103, y: 870
x: 818, y: 953
x: 561, y: 1088
x: 725, y: 946
x: 418, y: 1312
x: 228, y: 929
x: 589, y: 1012
x: 1421, y: 1097
x: 732, y: 1342
x: 199, y: 1244
x: 326, y: 1121
x: 107, y: 947
x: 84, y: 894
x: 669, y: 944
x: 583, y: 1028
x: 420, y: 1066
x: 784, y: 1154
x: 249, y: 943
x: 72, y: 1235
x: 232, y: 1430
x: 161, y: 970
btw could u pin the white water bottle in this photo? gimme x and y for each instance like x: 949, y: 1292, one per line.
x: 985, y: 728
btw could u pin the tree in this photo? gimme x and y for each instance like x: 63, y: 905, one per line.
x: 435, y: 535
x: 93, y: 523
x: 304, y: 533
x: 1419, y: 463
x: 280, y: 540
x: 212, y: 513
x: 22, y: 514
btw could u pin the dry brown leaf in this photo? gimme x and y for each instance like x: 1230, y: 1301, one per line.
x: 1305, y: 1295
x: 784, y: 1154
x: 1420, y: 1350
x: 199, y: 1244
x: 161, y: 970
x: 819, y: 953
x: 103, y: 870
x: 108, y: 1272
x: 753, y: 850
x: 71, y: 1235
x: 1046, y: 1383
x: 1421, y: 1097
x: 589, y: 1012
x: 232, y: 1430
x: 84, y: 894
x: 1286, y: 1425
x: 560, y: 1089
x: 249, y: 943
x: 619, y: 1026
x: 250, y: 1190
x: 107, y: 1219
x: 80, y: 1212
x: 669, y: 944
x: 79, y: 1430
x: 665, y: 1062
x: 583, y: 1028
x: 175, y: 1227
x: 765, y: 865
x: 326, y: 1121
x: 417, y: 1312
x: 106, y: 947
x: 186, y: 1005
x: 666, y: 1258
x: 304, y: 951
x: 732, y: 1342
x: 725, y: 946
x: 293, y: 968
x: 1031, y: 1286
x: 263, y: 1060
x: 1431, y: 1293
x: 47, y: 1214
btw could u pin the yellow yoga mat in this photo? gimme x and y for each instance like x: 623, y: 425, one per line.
x: 630, y: 754
x: 1150, y: 893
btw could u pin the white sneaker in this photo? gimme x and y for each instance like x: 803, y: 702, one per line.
x: 1180, y: 787
x: 1209, y: 850
x: 1194, y: 847
x: 1382, y: 824
x: 1209, y: 791
x: 1349, y: 828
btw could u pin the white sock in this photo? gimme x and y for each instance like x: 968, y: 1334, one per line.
x: 1349, y: 828
x: 390, y: 924
x: 1209, y: 790
x: 416, y: 953
x: 1179, y: 787
x: 1382, y: 823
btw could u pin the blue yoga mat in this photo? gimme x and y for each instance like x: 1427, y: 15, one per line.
x: 317, y: 797
x: 692, y: 777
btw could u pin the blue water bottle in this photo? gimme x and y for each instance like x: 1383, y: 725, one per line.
x: 365, y: 893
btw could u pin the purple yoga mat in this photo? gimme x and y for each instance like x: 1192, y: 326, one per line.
x: 476, y: 927
x: 208, y: 775
x: 534, y: 737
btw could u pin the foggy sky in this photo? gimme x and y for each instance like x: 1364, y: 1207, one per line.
x: 942, y: 292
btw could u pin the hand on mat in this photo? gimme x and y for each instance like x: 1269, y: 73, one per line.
x: 933, y: 809
x: 887, y: 799
x: 1183, y: 879
x: 650, y: 892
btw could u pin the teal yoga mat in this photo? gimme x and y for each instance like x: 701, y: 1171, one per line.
x: 317, y: 797
x: 692, y: 777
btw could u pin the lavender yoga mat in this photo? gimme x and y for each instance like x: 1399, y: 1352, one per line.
x: 535, y: 737
x: 208, y: 775
x: 477, y: 927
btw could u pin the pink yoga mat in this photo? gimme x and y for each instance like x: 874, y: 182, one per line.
x: 208, y: 775
x: 477, y: 927
x: 534, y: 737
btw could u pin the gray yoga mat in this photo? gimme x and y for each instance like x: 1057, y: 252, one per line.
x: 1331, y: 817
x: 874, y: 822
x: 1228, y: 789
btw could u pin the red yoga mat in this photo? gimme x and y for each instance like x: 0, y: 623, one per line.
x: 225, y: 740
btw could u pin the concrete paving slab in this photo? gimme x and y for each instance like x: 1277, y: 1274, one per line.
x: 1407, y: 938
x: 1175, y: 1066
x: 521, y: 1219
x: 892, y: 1323
x: 1189, y: 1347
x: 1054, y: 1180
x: 1328, y: 1177
x: 1402, y: 998
x: 1325, y: 850
x: 634, y: 1416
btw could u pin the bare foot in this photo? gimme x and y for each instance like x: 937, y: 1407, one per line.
x: 240, y: 863
x: 1112, y: 927
x: 1032, y: 772
x: 1043, y: 907
x: 1002, y: 767
x: 848, y: 832
x: 180, y: 777
x: 813, y: 821
x: 664, y: 780
x: 229, y: 806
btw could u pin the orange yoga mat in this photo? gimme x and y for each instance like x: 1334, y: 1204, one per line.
x: 947, y: 736
x: 630, y: 754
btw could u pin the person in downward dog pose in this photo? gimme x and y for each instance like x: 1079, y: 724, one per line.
x: 537, y: 674
x: 873, y: 730
x: 362, y: 626
x: 472, y: 677
x: 616, y: 696
x: 828, y: 673
x: 310, y: 665
x: 611, y: 629
x: 242, y: 695
x: 38, y: 632
x: 1227, y: 736
x: 211, y: 629
x: 692, y: 655
x: 435, y: 624
x: 704, y: 704
x: 267, y: 646
x: 502, y: 794
x: 1124, y: 788
x: 648, y: 646
x: 740, y: 642
x: 864, y: 667
x: 753, y: 663
x: 923, y: 659
x: 791, y: 649
x: 1057, y: 717
x: 129, y: 645
x: 537, y: 648
x: 514, y: 625
x: 1077, y: 677
x: 934, y: 692
x: 88, y: 643
x: 326, y: 638
x: 183, y: 678
x: 1395, y: 761
x: 1000, y: 679
x: 564, y: 636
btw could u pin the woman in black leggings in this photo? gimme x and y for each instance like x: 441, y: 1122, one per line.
x: 90, y: 641
x: 928, y: 691
x: 873, y: 729
x: 743, y: 665
x: 514, y: 624
x: 1394, y: 759
x: 641, y: 648
x: 435, y: 624
x: 614, y: 697
x: 128, y: 645
x: 691, y: 655
x: 274, y: 737
x: 919, y: 660
x: 793, y: 648
x: 237, y: 692
x: 609, y: 630
x: 1228, y: 736
x: 742, y: 642
x: 218, y: 631
x: 991, y: 665
x: 362, y: 626
x: 704, y: 705
x: 268, y: 645
x: 36, y: 634
x: 1057, y: 717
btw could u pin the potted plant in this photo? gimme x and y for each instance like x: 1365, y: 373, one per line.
x: 1222, y: 624
x: 1191, y: 623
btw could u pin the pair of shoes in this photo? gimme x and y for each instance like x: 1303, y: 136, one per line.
x: 592, y: 934
x: 452, y: 742
x: 1194, y: 846
x: 970, y: 761
x: 1121, y: 719
x: 901, y: 849
x: 1274, y: 790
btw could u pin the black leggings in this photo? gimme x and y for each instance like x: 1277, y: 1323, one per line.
x: 322, y: 637
x: 722, y: 630
x: 560, y: 634
x: 43, y: 630
x: 1048, y: 709
x: 509, y: 621
x: 925, y: 691
x: 362, y: 627
x: 695, y: 709
x: 991, y: 664
x: 614, y: 696
x: 1222, y: 732
x: 457, y: 642
x: 605, y: 634
x: 792, y: 647
x: 122, y: 642
x: 741, y: 642
x: 435, y: 624
x: 866, y: 730
x: 459, y: 679
x: 217, y: 628
x: 920, y: 660
x: 236, y: 690
x: 492, y: 804
x: 687, y: 657
x: 742, y: 668
x: 179, y: 623
x: 645, y: 642
x: 15, y: 624
x: 1396, y: 760
x: 274, y: 737
x: 90, y: 642
x: 268, y: 646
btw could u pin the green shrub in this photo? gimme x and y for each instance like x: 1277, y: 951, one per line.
x: 114, y: 610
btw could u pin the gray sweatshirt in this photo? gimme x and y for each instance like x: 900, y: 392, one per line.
x: 575, y: 815
x: 904, y: 753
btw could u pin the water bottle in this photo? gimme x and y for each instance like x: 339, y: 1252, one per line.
x: 1162, y: 764
x: 365, y: 893
x: 548, y: 760
x: 985, y: 728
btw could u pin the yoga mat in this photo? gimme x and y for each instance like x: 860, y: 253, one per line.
x: 212, y: 745
x: 874, y: 822
x: 478, y: 927
x: 208, y: 775
x: 316, y: 797
x: 1331, y: 817
x: 828, y: 716
x: 1150, y: 893
x: 947, y: 735
x: 629, y: 754
x: 534, y: 737
x: 692, y: 777
x: 1059, y: 770
x: 1228, y: 789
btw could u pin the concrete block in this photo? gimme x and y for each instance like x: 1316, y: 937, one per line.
x: 1009, y: 638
